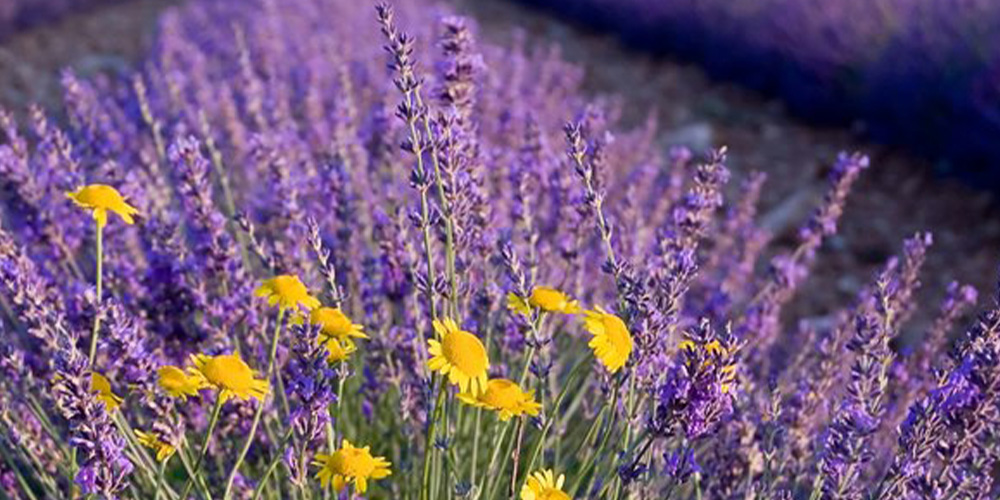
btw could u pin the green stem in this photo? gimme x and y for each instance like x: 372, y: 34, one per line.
x: 429, y: 445
x: 498, y: 444
x: 159, y: 479
x: 100, y: 285
x: 551, y: 419
x: 260, y: 408
x: 204, y: 449
x: 475, y: 444
x: 609, y: 410
x: 272, y: 466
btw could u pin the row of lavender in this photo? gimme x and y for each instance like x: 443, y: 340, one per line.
x: 449, y: 278
x: 16, y: 15
x: 922, y: 73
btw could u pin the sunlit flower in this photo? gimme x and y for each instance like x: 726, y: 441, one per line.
x: 287, y: 292
x: 612, y: 343
x: 460, y: 355
x: 100, y: 386
x: 178, y: 384
x: 552, y: 300
x: 338, y: 350
x: 100, y: 198
x: 518, y: 304
x: 163, y: 449
x: 230, y: 375
x: 350, y: 465
x: 334, y: 323
x: 544, y: 298
x: 506, y: 397
x: 544, y: 485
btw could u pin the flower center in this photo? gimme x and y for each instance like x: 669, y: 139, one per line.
x: 333, y: 322
x: 353, y: 463
x: 502, y: 394
x: 228, y: 371
x: 289, y: 288
x: 552, y: 494
x: 617, y: 334
x: 465, y: 351
x: 100, y: 196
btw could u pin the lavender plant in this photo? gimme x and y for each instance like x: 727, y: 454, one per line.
x: 384, y: 259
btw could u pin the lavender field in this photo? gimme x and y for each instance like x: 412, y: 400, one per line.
x: 335, y: 249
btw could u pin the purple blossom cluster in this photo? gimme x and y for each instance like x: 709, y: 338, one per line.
x: 323, y: 208
x: 912, y: 72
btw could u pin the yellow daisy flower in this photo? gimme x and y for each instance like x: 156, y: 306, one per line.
x: 460, y: 355
x: 100, y: 386
x: 178, y: 384
x: 506, y: 397
x: 612, y: 343
x: 163, y: 449
x: 287, y: 292
x: 100, y: 198
x: 544, y: 485
x: 338, y: 350
x: 334, y: 323
x: 552, y: 300
x: 230, y: 375
x: 351, y: 465
x: 545, y: 298
x: 518, y: 304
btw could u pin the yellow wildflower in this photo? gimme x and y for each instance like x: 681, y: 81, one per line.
x: 545, y: 298
x: 230, y: 375
x: 100, y: 198
x: 163, y: 449
x: 334, y: 323
x: 100, y: 386
x: 338, y: 350
x: 177, y: 383
x: 506, y: 397
x: 518, y: 304
x: 460, y: 355
x: 544, y: 485
x: 351, y: 465
x: 287, y: 292
x: 612, y: 342
x: 552, y: 300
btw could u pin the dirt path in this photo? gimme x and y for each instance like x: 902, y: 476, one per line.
x: 897, y: 197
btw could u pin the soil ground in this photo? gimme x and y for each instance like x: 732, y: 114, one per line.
x: 897, y: 197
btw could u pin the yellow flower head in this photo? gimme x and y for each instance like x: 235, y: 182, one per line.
x: 230, y: 375
x: 163, y: 449
x: 506, y: 397
x: 545, y: 298
x: 552, y: 300
x: 544, y: 485
x: 460, y: 355
x: 334, y: 323
x: 350, y: 465
x: 100, y: 386
x: 612, y: 343
x: 100, y: 198
x: 287, y: 292
x: 338, y: 350
x: 178, y: 384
